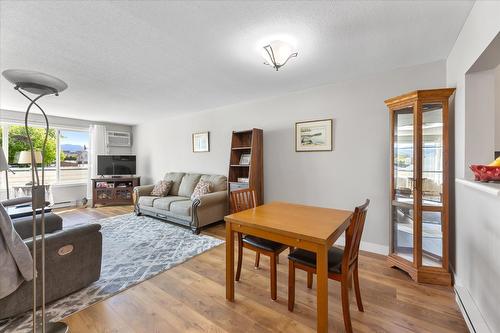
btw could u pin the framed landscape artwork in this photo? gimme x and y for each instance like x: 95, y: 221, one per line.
x: 315, y: 135
x: 201, y: 142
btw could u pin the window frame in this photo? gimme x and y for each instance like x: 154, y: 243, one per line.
x: 5, y: 145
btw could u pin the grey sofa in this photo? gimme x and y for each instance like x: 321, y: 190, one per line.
x: 178, y: 207
x: 65, y: 273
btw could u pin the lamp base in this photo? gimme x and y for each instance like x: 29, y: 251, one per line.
x: 57, y: 327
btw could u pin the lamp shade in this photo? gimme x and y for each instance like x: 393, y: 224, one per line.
x: 25, y: 157
x: 35, y: 82
x: 4, y: 166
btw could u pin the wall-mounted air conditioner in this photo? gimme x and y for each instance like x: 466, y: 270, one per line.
x: 117, y: 139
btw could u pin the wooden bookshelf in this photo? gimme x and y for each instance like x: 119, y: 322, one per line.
x: 247, y: 142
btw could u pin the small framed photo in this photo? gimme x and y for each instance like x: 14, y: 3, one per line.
x: 315, y: 135
x: 245, y: 159
x: 201, y: 142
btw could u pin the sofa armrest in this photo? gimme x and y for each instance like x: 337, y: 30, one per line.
x: 143, y: 190
x: 209, y: 208
x: 65, y: 236
x: 16, y: 201
x: 73, y: 260
x: 211, y: 199
x: 24, y: 225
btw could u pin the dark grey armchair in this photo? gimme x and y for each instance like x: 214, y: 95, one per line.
x: 72, y: 262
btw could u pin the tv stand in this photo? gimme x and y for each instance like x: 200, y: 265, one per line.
x: 109, y: 191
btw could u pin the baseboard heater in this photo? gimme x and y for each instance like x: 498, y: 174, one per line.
x: 472, y: 316
x: 64, y: 204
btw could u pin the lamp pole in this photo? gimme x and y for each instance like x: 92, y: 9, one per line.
x: 41, y: 85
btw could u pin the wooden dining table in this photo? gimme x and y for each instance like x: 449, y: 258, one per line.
x: 311, y: 228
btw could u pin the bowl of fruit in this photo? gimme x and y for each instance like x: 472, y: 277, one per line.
x: 487, y: 173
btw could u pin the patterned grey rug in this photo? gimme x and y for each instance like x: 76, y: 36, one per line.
x: 135, y: 248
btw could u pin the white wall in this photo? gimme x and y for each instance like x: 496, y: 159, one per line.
x: 477, y: 252
x: 479, y: 30
x: 497, y: 108
x: 476, y: 231
x: 479, y: 119
x: 358, y: 168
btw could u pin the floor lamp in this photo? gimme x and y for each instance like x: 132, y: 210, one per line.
x: 38, y: 84
x: 4, y: 166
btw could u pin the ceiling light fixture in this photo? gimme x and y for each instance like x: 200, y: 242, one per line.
x: 277, y: 53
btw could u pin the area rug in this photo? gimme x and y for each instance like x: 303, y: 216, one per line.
x: 135, y: 248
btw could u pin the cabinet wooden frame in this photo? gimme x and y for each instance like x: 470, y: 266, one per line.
x: 415, y: 268
x: 115, y: 193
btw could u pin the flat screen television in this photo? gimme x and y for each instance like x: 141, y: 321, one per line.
x: 115, y: 165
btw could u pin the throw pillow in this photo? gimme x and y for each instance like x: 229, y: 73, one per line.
x: 162, y: 188
x: 201, y: 188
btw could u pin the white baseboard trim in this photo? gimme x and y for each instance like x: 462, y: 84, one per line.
x: 472, y: 316
x: 367, y: 246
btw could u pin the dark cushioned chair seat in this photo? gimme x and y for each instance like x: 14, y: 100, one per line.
x: 264, y: 244
x: 309, y: 259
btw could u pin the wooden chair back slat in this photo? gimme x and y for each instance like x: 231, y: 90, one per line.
x: 242, y: 200
x: 353, y: 235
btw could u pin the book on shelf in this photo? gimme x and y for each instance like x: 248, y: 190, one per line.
x: 245, y: 159
x: 242, y: 180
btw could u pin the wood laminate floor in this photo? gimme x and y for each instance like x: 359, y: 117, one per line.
x: 191, y: 298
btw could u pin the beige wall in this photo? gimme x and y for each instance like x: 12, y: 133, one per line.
x: 358, y: 168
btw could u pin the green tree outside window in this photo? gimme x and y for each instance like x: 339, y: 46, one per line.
x: 18, y: 141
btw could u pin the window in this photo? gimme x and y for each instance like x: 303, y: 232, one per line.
x: 18, y: 143
x: 66, y: 155
x: 73, y: 146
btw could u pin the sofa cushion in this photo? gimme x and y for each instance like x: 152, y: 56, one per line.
x: 176, y: 178
x: 181, y: 207
x: 164, y: 203
x: 219, y: 182
x: 201, y: 188
x: 188, y: 183
x: 162, y: 188
x: 147, y: 200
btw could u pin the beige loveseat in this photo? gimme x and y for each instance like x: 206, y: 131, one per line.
x: 178, y: 207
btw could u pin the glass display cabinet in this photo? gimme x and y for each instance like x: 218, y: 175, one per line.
x: 420, y: 184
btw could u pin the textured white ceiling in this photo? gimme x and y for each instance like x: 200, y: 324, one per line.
x: 128, y: 61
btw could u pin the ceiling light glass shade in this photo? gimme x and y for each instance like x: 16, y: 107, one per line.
x: 35, y: 82
x: 277, y: 53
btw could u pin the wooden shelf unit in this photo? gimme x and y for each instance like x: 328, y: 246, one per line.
x: 247, y: 142
x: 109, y: 191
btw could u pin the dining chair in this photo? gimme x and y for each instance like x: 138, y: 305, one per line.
x: 242, y: 200
x: 342, y: 265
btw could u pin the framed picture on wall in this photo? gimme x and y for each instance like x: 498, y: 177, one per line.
x: 201, y: 142
x: 314, y: 135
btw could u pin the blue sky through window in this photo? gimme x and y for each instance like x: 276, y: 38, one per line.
x: 74, y: 138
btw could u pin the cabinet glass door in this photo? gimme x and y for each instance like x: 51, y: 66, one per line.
x: 432, y: 184
x: 403, y: 194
